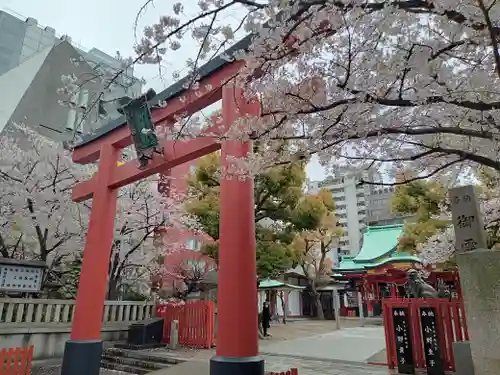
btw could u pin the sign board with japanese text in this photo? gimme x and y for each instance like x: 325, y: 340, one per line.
x: 20, y: 276
x: 467, y: 220
x: 402, y: 333
x: 433, y: 359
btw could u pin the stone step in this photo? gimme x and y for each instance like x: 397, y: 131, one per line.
x: 135, y: 362
x: 124, y: 368
x: 142, y: 355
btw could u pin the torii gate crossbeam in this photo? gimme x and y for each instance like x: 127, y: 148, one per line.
x: 237, y: 336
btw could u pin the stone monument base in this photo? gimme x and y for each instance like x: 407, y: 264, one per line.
x: 480, y: 282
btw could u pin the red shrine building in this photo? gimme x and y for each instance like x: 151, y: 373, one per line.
x: 379, y: 270
x: 187, y: 255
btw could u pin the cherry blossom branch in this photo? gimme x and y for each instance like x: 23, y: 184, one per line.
x: 407, y: 181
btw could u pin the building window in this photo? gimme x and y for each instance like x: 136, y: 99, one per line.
x: 337, y: 190
x: 193, y: 244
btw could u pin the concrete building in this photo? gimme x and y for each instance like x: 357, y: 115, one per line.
x: 188, y: 256
x: 28, y: 94
x: 379, y: 207
x: 351, y: 207
x: 23, y: 42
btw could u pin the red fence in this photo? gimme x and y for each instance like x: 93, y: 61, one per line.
x: 292, y: 371
x: 451, y: 327
x: 196, y: 322
x: 16, y: 361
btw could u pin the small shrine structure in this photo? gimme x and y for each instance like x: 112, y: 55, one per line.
x: 379, y: 271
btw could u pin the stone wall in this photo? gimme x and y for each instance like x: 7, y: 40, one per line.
x: 480, y: 281
x: 46, y: 323
x: 48, y: 339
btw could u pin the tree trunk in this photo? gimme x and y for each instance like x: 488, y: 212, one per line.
x: 112, y: 290
x: 283, y: 305
x: 317, y: 301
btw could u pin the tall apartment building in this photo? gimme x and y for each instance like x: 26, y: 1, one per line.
x: 32, y: 60
x: 379, y: 207
x: 351, y: 201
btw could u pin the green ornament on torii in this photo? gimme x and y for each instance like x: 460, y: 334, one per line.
x: 138, y: 114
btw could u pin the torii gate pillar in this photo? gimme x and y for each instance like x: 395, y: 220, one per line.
x: 237, y: 329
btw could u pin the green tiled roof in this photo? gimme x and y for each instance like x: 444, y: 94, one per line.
x: 347, y: 263
x: 379, y: 242
x: 275, y: 284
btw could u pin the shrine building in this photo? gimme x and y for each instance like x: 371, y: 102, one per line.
x: 379, y: 270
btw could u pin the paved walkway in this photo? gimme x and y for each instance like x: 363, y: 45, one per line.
x: 275, y: 363
x: 356, y: 344
x: 317, y: 367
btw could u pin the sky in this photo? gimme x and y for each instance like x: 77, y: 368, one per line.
x: 109, y: 26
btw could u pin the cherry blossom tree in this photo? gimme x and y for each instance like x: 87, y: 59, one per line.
x: 39, y: 220
x: 184, y: 275
x: 142, y: 212
x: 408, y: 83
x: 317, y: 234
x: 440, y: 247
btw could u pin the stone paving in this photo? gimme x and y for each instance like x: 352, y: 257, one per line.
x: 356, y: 344
x: 278, y: 364
x: 56, y: 370
x: 292, y: 345
x: 317, y: 367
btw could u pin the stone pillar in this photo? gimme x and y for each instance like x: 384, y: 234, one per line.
x: 336, y: 304
x: 360, y: 305
x: 480, y: 282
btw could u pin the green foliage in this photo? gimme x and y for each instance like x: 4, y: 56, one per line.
x: 207, y: 210
x: 315, y: 221
x: 274, y: 255
x: 421, y: 200
x: 70, y: 278
x: 311, y: 211
x: 276, y: 194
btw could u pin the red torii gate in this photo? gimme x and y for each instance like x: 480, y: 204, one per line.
x: 237, y: 336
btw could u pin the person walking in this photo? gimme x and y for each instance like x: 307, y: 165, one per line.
x: 266, y: 318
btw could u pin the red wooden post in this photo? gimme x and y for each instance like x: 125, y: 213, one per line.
x: 394, y: 293
x: 237, y: 334
x: 86, y: 330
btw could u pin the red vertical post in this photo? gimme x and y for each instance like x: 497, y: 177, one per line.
x: 82, y: 354
x: 94, y: 275
x: 394, y: 293
x: 237, y: 334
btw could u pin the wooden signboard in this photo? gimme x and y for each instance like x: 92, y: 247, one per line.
x: 402, y: 333
x: 433, y: 359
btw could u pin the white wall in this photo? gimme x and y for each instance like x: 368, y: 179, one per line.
x: 294, y: 308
